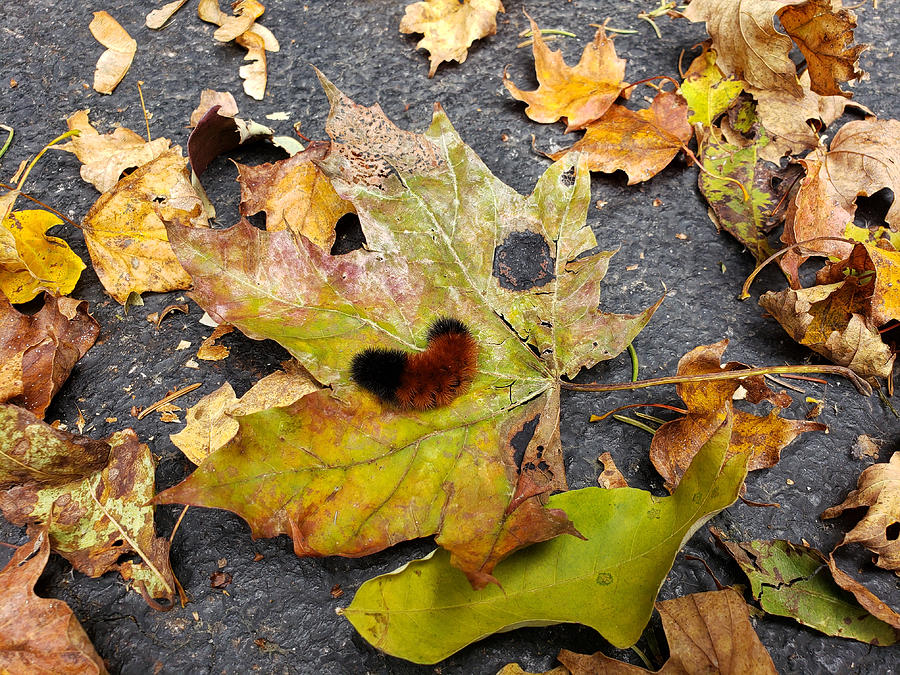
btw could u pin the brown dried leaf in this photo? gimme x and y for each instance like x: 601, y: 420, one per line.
x: 823, y: 31
x: 105, y: 157
x: 157, y: 18
x: 746, y: 42
x: 38, y: 351
x: 209, y: 350
x: 39, y: 635
x: 120, y: 50
x: 709, y: 404
x: 295, y: 195
x: 707, y: 633
x: 211, y: 422
x: 450, y: 27
x: 871, y: 602
x: 209, y: 98
x: 246, y: 12
x: 878, y: 489
x: 640, y: 143
x: 611, y: 477
x: 582, y: 93
x: 125, y: 233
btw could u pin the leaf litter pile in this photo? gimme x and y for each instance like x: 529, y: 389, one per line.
x: 317, y: 453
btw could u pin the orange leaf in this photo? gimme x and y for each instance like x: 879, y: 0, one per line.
x: 580, y: 94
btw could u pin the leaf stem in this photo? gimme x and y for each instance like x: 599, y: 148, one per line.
x: 9, y: 138
x: 144, y: 108
x: 861, y: 385
x: 686, y: 150
x: 46, y: 206
x: 642, y: 657
x: 634, y: 362
x: 745, y: 290
x: 600, y: 418
x: 73, y: 132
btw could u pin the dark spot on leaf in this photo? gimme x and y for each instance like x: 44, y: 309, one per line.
x: 604, y: 579
x: 521, y: 439
x: 568, y: 178
x: 523, y: 261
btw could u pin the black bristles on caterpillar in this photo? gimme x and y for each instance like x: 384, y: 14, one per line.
x: 421, y: 380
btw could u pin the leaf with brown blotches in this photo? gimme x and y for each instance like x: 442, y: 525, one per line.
x: 747, y: 44
x: 582, y: 93
x: 120, y: 50
x: 212, y: 422
x: 98, y: 518
x: 611, y: 477
x: 295, y: 195
x: 761, y: 439
x: 125, y: 234
x: 878, y: 490
x: 640, y: 143
x: 105, y: 157
x: 823, y: 31
x: 39, y: 635
x: 839, y: 318
x: 38, y: 351
x: 707, y: 633
x: 450, y: 27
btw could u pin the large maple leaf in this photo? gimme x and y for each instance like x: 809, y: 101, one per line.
x: 341, y: 472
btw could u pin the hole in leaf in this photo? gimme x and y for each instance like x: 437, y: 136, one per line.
x: 523, y: 261
x: 348, y: 235
x: 892, y: 532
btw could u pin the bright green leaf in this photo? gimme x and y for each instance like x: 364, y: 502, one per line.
x: 425, y: 611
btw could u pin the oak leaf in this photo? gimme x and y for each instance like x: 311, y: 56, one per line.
x: 760, y: 439
x: 125, y: 234
x: 432, y: 214
x: 425, y: 611
x: 38, y: 351
x: 794, y: 580
x: 707, y: 633
x: 120, y: 50
x: 99, y: 517
x: 39, y: 635
x: 640, y: 143
x: 878, y: 490
x: 105, y: 157
x: 746, y: 42
x: 450, y: 27
x: 295, y: 196
x: 582, y: 93
x: 823, y: 31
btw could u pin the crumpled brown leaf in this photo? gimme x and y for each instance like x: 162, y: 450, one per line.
x: 611, y: 477
x: 823, y: 31
x: 212, y: 422
x: 295, y: 195
x: 878, y: 489
x: 126, y: 236
x: 709, y: 403
x: 747, y: 43
x: 39, y: 635
x: 38, y: 351
x: 97, y: 519
x: 582, y: 93
x: 641, y: 143
x: 120, y: 50
x: 450, y: 27
x: 707, y: 633
x: 105, y: 157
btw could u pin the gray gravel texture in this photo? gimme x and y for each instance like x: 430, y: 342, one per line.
x: 284, y: 602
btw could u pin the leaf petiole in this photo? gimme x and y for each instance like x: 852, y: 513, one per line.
x: 9, y: 138
x: 745, y: 290
x: 61, y: 137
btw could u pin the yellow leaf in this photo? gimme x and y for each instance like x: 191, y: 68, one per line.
x: 43, y: 263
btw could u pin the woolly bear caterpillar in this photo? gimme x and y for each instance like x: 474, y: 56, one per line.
x: 421, y: 380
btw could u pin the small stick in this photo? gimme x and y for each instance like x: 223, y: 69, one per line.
x: 817, y: 380
x: 547, y: 31
x: 640, y: 425
x: 61, y: 137
x: 167, y: 398
x: 600, y: 418
x: 782, y: 383
x: 178, y: 522
x: 144, y: 108
x: 861, y: 385
x: 719, y: 585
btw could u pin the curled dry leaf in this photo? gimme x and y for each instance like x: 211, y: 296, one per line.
x: 450, y: 27
x: 124, y: 229
x: 707, y: 633
x: 209, y: 350
x: 218, y: 132
x: 296, y: 196
x: 38, y: 351
x: 209, y: 98
x: 878, y: 490
x: 582, y: 93
x: 432, y: 213
x: 746, y: 42
x: 105, y: 157
x: 640, y: 143
x: 823, y: 31
x: 96, y: 520
x: 120, y: 50
x: 793, y: 580
x: 34, y: 261
x: 213, y: 421
x: 611, y: 477
x: 157, y: 18
x: 39, y: 635
x: 425, y: 611
x: 760, y: 439
x: 254, y: 72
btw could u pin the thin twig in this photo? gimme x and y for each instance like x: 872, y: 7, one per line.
x: 144, y: 108
x: 9, y: 138
x: 600, y: 418
x: 640, y: 425
x: 46, y: 206
x: 167, y: 398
